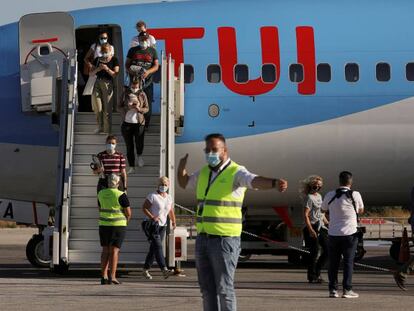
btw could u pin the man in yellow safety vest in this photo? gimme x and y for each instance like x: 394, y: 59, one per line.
x: 220, y: 188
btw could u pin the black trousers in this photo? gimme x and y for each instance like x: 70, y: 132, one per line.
x: 149, y: 91
x: 345, y: 246
x: 133, y: 133
x: 318, y: 251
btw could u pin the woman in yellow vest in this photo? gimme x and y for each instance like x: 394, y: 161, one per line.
x: 220, y: 188
x: 114, y: 214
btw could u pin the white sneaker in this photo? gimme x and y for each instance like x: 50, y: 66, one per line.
x: 97, y: 131
x: 166, y: 273
x: 140, y: 161
x: 349, y: 294
x: 146, y: 274
x: 333, y: 294
x: 131, y: 170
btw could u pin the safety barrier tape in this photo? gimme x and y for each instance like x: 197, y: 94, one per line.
x: 290, y: 246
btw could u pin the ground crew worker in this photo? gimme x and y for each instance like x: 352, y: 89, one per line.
x: 114, y: 214
x: 220, y: 188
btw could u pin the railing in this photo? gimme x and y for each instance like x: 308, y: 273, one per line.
x: 380, y: 228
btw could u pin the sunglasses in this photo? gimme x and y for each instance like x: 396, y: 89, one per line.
x: 103, y: 38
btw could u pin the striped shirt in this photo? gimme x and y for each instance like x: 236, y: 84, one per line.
x: 112, y: 163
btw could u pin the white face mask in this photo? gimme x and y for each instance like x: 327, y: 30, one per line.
x: 105, y: 55
x: 143, y: 45
x: 102, y: 41
x: 134, y: 90
x: 163, y: 188
x: 110, y: 148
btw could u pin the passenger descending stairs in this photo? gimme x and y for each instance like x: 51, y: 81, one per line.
x: 84, y: 245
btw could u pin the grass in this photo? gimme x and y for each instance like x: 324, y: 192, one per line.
x: 387, y: 211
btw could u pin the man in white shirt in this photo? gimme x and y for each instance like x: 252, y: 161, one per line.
x: 343, y: 205
x: 142, y: 27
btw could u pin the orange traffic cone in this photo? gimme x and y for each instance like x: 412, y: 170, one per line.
x: 404, y: 255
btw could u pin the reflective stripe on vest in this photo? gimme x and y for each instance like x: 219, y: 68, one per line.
x: 219, y: 212
x: 110, y: 212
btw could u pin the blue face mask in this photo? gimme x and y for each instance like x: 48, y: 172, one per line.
x: 110, y: 148
x: 162, y: 188
x: 213, y: 159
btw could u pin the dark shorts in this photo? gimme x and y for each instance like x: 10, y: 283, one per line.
x: 112, y: 235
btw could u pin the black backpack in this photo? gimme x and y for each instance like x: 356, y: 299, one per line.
x: 349, y: 194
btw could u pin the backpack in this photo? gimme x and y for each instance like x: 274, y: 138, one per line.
x: 349, y: 194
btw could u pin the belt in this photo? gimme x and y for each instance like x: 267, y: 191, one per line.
x: 213, y: 236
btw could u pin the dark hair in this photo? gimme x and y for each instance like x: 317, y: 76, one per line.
x: 215, y: 136
x: 140, y: 24
x: 345, y: 178
x: 102, y: 31
x: 110, y: 137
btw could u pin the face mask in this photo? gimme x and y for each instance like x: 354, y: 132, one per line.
x: 213, y: 159
x: 102, y: 41
x: 134, y: 90
x: 162, y: 188
x: 143, y: 45
x: 105, y: 55
x: 110, y: 148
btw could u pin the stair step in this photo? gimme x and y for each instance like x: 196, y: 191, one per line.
x: 152, y: 139
x: 90, y: 190
x: 85, y: 201
x: 90, y: 222
x: 94, y: 246
x: 89, y: 127
x: 84, y: 168
x: 134, y: 180
x: 93, y: 233
x: 94, y: 257
x: 93, y: 212
x: 148, y: 159
x: 96, y: 148
x: 116, y: 117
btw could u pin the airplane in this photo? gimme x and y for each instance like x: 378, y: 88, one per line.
x: 297, y: 88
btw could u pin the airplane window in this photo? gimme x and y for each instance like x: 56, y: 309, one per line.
x: 409, y: 71
x: 269, y: 73
x: 188, y: 73
x: 296, y: 73
x: 214, y: 73
x: 156, y: 78
x: 383, y: 72
x: 324, y: 72
x: 241, y: 73
x: 352, y: 72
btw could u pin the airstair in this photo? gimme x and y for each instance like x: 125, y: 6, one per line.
x: 84, y: 244
x: 76, y: 240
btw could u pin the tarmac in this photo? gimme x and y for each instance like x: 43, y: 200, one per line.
x: 264, y: 283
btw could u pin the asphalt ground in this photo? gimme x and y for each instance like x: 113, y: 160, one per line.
x: 263, y: 283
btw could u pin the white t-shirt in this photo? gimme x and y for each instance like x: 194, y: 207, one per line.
x: 135, y: 42
x: 313, y: 202
x: 342, y: 216
x: 243, y: 179
x: 97, y: 49
x: 131, y: 116
x: 160, y: 206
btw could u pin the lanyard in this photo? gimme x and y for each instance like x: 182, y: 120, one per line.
x: 210, y: 182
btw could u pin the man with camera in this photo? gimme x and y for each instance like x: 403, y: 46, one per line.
x: 343, y: 206
x: 142, y: 62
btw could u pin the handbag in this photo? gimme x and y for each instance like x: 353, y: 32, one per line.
x: 88, y: 90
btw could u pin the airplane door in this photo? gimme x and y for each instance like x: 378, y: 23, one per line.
x: 45, y: 40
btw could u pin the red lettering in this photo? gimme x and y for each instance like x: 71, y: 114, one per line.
x: 306, y: 56
x: 228, y: 59
x: 174, y: 41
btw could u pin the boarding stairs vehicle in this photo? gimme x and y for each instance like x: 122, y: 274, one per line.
x: 49, y: 86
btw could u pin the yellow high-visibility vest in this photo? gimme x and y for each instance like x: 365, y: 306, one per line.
x: 218, y: 211
x: 110, y: 212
